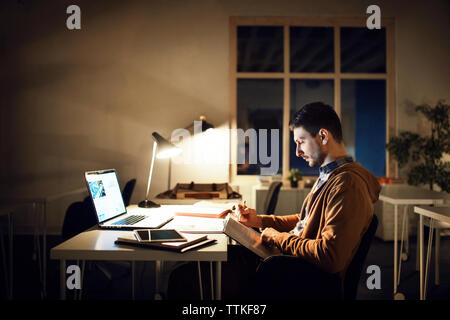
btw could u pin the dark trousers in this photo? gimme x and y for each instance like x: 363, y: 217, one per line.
x: 245, y: 276
x: 291, y: 278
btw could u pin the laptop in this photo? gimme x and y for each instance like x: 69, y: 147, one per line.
x: 104, y: 189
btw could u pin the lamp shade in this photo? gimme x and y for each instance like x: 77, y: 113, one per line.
x: 165, y: 148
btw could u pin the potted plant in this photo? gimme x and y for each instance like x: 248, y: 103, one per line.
x: 294, y: 177
x: 425, y: 153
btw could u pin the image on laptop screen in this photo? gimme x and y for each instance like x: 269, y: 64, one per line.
x: 106, y: 195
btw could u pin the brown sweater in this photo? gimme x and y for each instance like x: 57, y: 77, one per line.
x: 338, y: 219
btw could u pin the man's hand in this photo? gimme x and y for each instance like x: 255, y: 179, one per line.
x: 248, y: 217
x: 268, y: 236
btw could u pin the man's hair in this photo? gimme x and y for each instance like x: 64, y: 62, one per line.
x: 316, y: 115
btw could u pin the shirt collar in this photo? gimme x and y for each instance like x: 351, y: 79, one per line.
x: 326, y: 169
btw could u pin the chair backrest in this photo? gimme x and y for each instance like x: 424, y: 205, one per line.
x: 79, y: 216
x: 128, y: 191
x: 272, y: 197
x: 354, y: 270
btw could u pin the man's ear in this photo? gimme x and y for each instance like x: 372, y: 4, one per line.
x: 323, y: 135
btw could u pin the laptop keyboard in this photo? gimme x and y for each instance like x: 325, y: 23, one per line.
x: 129, y: 220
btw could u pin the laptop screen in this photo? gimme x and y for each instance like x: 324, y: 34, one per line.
x: 106, y: 195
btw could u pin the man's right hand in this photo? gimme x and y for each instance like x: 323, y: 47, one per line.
x: 249, y: 217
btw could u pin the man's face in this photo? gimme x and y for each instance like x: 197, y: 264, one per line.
x: 308, y: 147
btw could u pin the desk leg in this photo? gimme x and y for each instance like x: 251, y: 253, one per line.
x: 38, y: 212
x: 395, y: 247
x: 200, y: 280
x: 427, y: 265
x: 133, y: 270
x: 11, y: 256
x: 211, y: 279
x: 37, y: 246
x: 218, y: 280
x: 62, y: 279
x: 406, y: 256
x: 5, y: 268
x: 403, y: 256
x: 421, y: 255
x: 418, y: 245
x: 158, y: 295
x: 44, y: 249
x: 436, y: 255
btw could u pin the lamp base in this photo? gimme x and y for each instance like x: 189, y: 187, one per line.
x: 148, y: 204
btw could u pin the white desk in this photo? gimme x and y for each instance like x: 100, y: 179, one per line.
x: 402, y: 194
x: 441, y: 214
x: 98, y: 244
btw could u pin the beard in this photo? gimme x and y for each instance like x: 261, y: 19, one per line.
x: 317, y: 159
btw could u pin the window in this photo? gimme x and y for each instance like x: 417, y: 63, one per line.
x: 279, y: 64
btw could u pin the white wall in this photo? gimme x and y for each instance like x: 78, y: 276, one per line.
x: 89, y: 99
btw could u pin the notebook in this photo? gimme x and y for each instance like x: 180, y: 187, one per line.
x: 249, y: 238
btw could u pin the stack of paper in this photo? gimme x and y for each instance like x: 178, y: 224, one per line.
x: 195, y: 225
x: 199, y: 211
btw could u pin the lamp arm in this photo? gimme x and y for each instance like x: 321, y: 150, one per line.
x: 155, y: 145
x: 170, y: 173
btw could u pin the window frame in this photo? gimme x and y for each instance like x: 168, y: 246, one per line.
x: 337, y: 76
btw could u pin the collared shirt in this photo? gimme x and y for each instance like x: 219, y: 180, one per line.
x: 324, y: 173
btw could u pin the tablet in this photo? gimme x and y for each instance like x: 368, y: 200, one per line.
x: 159, y: 235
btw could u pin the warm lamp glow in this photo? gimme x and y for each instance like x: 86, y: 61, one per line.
x: 169, y: 153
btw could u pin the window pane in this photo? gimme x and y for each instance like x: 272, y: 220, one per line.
x: 304, y: 92
x: 312, y: 49
x: 260, y: 49
x: 363, y: 50
x: 259, y: 107
x: 363, y: 113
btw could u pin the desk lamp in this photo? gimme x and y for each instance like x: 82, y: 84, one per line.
x: 166, y: 150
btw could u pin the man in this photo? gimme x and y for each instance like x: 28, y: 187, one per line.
x: 335, y: 214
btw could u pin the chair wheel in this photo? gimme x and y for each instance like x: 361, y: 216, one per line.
x: 158, y: 296
x: 399, y: 296
x: 405, y: 256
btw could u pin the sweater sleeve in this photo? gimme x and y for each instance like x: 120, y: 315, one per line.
x: 348, y: 212
x: 280, y: 223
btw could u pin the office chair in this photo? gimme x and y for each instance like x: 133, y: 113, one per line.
x: 326, y: 285
x: 128, y: 191
x: 79, y: 217
x: 271, y: 200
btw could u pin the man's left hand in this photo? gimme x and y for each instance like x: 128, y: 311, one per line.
x: 268, y: 236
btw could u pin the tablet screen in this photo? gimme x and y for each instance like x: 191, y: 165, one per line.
x: 160, y: 235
